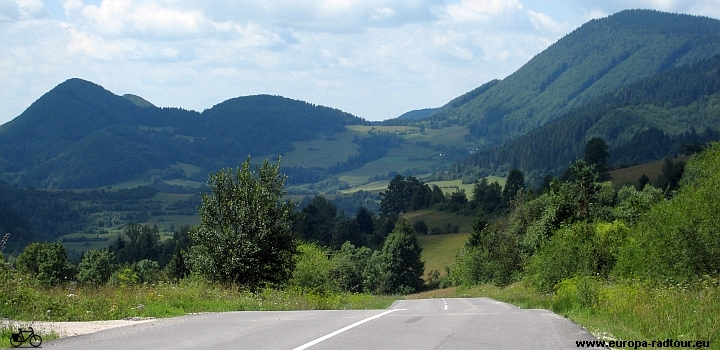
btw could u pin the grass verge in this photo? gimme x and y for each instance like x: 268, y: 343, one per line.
x: 168, y: 300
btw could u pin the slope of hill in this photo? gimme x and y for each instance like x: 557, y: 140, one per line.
x: 598, y: 57
x: 418, y: 113
x: 641, y: 122
x: 79, y: 135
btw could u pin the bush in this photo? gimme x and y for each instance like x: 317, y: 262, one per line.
x: 147, y: 271
x: 492, y: 256
x: 47, y: 262
x: 244, y: 235
x: 678, y: 240
x: 313, y: 270
x: 96, y: 267
x: 420, y: 227
x: 348, y: 266
x: 397, y: 269
x: 577, y: 292
x: 580, y: 249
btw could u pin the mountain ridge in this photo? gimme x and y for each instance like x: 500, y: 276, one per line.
x: 597, y: 57
x: 81, y: 135
x: 640, y: 122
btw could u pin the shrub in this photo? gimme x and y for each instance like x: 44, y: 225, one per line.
x: 47, y: 262
x: 313, y: 270
x: 397, y: 269
x: 348, y: 266
x: 147, y: 271
x: 678, y: 240
x: 96, y: 267
x: 244, y: 235
x: 420, y: 227
x: 496, y: 259
x: 576, y: 292
x: 580, y: 249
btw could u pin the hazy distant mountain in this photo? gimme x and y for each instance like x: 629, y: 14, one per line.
x: 596, y: 58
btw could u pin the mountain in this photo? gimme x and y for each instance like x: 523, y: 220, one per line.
x: 418, y: 113
x: 598, y: 57
x: 137, y: 100
x: 79, y: 135
x: 641, y: 122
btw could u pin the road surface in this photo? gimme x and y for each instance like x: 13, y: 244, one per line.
x: 472, y: 323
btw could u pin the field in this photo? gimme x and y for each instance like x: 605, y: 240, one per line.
x: 629, y: 176
x: 323, y: 152
x: 439, y: 250
x: 439, y: 218
x: 407, y: 157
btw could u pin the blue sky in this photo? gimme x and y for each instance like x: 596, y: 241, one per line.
x: 373, y: 58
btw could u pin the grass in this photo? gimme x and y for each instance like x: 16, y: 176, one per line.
x: 629, y: 176
x: 439, y: 218
x: 449, y: 136
x: 324, y: 151
x: 438, y: 251
x: 376, y: 187
x: 24, y: 301
x: 400, y: 159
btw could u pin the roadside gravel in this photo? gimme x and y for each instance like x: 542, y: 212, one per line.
x: 69, y: 329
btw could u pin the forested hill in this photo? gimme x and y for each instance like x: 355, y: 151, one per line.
x: 79, y: 135
x: 598, y: 57
x: 640, y: 122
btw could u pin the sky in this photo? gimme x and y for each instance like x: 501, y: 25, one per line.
x: 375, y: 59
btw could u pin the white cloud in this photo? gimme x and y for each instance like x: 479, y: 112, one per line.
x: 20, y: 10
x: 542, y: 21
x: 119, y: 18
x: 374, y: 58
x: 474, y: 10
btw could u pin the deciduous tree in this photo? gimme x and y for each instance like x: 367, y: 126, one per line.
x: 244, y: 236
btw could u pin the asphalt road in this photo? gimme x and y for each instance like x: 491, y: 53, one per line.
x: 477, y: 323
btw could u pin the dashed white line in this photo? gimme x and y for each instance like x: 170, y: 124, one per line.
x: 445, y: 302
x: 307, y: 345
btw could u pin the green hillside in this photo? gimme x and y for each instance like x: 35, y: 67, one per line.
x: 596, y: 58
x: 640, y: 122
x: 79, y: 135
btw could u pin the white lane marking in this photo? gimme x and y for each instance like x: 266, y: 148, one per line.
x: 307, y: 345
x: 445, y: 302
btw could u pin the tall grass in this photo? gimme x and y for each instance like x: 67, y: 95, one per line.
x: 23, y: 299
x: 637, y: 311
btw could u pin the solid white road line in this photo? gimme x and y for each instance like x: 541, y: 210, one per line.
x: 307, y: 345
